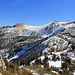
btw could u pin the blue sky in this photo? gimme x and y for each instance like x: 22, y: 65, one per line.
x: 36, y: 12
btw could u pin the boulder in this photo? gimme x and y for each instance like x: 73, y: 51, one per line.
x: 0, y: 73
x: 2, y: 63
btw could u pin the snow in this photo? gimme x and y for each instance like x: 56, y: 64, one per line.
x: 58, y: 53
x: 73, y: 58
x: 31, y: 63
x: 7, y: 54
x: 55, y: 64
x: 69, y: 25
x: 33, y: 27
x: 39, y: 27
x: 12, y: 58
x: 50, y: 56
x: 47, y: 74
x: 42, y: 58
x: 21, y: 66
x: 55, y: 72
x: 59, y: 29
x: 74, y: 73
x: 46, y: 50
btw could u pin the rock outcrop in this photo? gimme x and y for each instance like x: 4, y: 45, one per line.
x: 0, y: 73
x: 2, y: 64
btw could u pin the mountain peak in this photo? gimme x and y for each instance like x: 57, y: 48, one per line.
x: 57, y: 21
x: 20, y: 25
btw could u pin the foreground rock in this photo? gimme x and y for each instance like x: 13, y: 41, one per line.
x: 2, y: 64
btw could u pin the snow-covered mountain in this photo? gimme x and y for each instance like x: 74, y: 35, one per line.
x: 45, y: 29
x: 27, y: 30
x: 22, y: 37
x: 23, y: 41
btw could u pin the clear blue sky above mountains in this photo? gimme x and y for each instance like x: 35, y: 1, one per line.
x: 36, y: 12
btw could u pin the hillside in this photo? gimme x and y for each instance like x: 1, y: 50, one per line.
x: 48, y: 47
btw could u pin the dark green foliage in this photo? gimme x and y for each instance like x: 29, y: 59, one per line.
x: 54, y: 68
x: 73, y: 47
x: 68, y: 66
x: 45, y: 63
x: 52, y: 49
x: 45, y: 53
x: 64, y: 65
x: 24, y: 72
x: 28, y: 60
x: 14, y: 69
x: 66, y: 72
x: 57, y: 58
x: 54, y: 58
x: 38, y: 62
x: 22, y: 61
